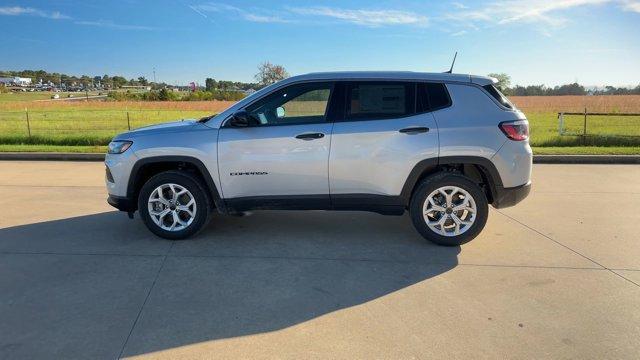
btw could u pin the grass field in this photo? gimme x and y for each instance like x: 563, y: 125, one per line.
x: 88, y: 126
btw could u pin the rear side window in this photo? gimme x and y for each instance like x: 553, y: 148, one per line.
x: 378, y: 100
x: 432, y: 96
x: 493, y: 91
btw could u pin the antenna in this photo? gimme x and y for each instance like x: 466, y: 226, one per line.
x: 452, y: 63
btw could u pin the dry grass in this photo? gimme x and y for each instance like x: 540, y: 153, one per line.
x: 599, y: 103
x: 210, y: 106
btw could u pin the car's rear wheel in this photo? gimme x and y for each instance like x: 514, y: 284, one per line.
x: 449, y: 209
x: 174, y: 205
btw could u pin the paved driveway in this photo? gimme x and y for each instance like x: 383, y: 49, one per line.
x: 556, y: 277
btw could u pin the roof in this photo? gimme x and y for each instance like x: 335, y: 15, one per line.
x: 392, y: 75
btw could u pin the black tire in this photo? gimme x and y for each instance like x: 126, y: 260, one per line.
x: 434, y: 182
x: 189, y: 182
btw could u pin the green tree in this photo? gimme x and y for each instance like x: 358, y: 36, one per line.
x: 118, y: 81
x: 269, y: 73
x: 210, y: 84
x: 143, y: 81
x: 504, y: 81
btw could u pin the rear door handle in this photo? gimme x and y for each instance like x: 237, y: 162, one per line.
x: 310, y: 136
x: 414, y: 130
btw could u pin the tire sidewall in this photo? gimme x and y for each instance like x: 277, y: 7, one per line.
x: 439, y: 180
x: 188, y: 182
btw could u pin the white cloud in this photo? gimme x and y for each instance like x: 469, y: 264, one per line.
x: 629, y: 5
x: 110, y: 24
x: 459, y: 33
x: 264, y: 18
x: 255, y: 15
x: 365, y: 17
x: 19, y: 10
x: 546, y: 12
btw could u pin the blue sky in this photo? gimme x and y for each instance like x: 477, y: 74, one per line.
x: 595, y: 42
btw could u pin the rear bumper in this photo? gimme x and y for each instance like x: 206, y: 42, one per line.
x: 506, y: 197
x: 122, y: 203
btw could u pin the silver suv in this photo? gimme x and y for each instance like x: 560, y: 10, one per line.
x: 441, y: 146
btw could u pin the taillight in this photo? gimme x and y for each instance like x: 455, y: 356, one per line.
x: 515, y: 130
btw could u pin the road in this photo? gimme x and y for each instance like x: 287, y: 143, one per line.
x: 555, y: 277
x: 79, y: 97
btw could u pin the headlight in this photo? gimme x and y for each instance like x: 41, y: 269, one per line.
x: 118, y: 147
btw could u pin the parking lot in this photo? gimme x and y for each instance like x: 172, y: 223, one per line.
x: 558, y: 276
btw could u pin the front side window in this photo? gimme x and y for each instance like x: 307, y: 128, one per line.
x: 379, y: 100
x: 295, y: 104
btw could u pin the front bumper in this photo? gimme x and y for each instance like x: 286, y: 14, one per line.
x: 506, y: 197
x: 122, y: 203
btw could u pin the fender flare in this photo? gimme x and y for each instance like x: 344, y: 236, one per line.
x: 211, y: 186
x: 426, y: 166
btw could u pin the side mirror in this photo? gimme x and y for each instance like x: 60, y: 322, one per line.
x: 242, y: 118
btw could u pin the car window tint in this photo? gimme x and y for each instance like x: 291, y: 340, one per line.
x: 432, y: 96
x: 295, y: 104
x: 375, y: 100
x: 498, y: 96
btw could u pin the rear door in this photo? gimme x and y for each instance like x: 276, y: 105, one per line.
x: 385, y: 131
x: 285, y: 158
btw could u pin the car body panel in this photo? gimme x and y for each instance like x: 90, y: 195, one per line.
x: 373, y: 157
x: 189, y: 140
x: 270, y: 160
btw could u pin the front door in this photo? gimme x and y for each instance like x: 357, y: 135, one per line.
x: 283, y: 159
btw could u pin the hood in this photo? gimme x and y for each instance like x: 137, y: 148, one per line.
x: 174, y: 126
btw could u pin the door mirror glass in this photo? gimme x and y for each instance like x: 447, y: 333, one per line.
x: 242, y: 118
x: 280, y: 112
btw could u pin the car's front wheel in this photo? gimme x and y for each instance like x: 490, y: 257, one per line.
x: 449, y: 209
x: 174, y: 205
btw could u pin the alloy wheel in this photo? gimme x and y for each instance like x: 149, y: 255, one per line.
x: 172, y: 207
x: 449, y: 211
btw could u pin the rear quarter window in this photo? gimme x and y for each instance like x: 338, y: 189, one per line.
x: 496, y: 94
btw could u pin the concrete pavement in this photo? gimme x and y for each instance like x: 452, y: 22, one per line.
x: 555, y: 277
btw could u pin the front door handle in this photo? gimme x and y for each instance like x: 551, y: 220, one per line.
x: 310, y: 136
x: 414, y: 130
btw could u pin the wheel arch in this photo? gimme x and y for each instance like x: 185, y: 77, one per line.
x: 145, y: 168
x: 479, y: 169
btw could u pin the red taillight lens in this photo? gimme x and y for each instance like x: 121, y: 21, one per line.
x: 516, y: 130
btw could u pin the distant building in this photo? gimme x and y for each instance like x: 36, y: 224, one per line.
x: 18, y: 81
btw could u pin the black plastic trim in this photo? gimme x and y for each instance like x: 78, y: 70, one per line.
x: 489, y: 170
x: 426, y: 166
x: 474, y: 160
x: 122, y: 203
x: 283, y: 202
x: 416, y: 173
x: 382, y: 204
x: 506, y: 197
x: 213, y: 190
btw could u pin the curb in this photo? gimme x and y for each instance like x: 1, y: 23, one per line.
x: 537, y: 159
x: 42, y: 156
x: 586, y: 159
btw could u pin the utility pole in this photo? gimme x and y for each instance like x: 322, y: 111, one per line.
x: 154, y: 75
